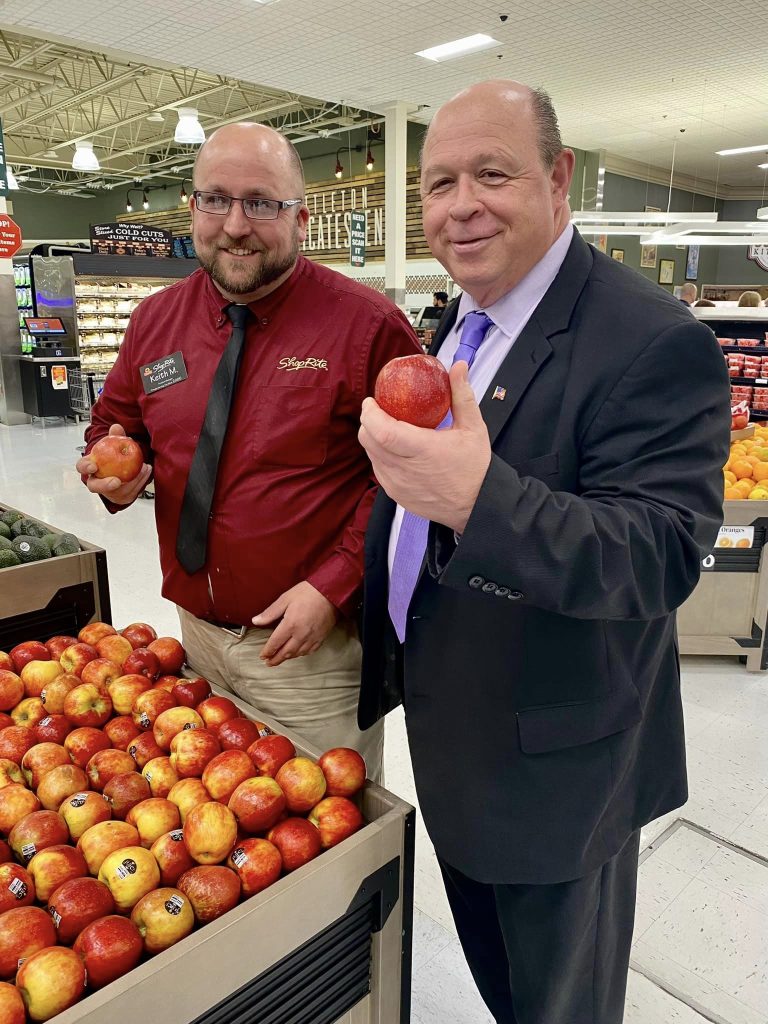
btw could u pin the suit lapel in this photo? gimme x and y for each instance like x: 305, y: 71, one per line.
x: 524, y: 360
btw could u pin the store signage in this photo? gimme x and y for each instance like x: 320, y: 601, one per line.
x: 124, y: 239
x: 735, y: 537
x: 759, y: 254
x: 3, y: 172
x: 184, y: 247
x: 10, y: 236
x: 357, y: 239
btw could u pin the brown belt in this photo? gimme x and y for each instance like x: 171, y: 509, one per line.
x: 230, y: 627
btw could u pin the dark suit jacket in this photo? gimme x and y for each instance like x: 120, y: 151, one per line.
x: 540, y: 670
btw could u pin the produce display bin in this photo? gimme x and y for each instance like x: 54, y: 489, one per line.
x: 728, y: 611
x: 59, y: 595
x: 329, y: 943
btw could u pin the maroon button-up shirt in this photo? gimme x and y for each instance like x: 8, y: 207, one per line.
x: 294, y: 487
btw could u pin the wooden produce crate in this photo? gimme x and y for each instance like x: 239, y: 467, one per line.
x: 59, y: 595
x: 329, y: 943
x: 728, y: 611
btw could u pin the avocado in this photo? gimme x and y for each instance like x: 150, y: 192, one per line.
x: 5, y: 544
x: 65, y: 544
x: 50, y: 539
x: 10, y: 516
x: 35, y: 529
x: 5, y: 530
x: 30, y: 549
x: 8, y: 558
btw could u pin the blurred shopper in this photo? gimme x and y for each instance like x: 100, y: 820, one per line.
x: 688, y: 293
x: 523, y: 607
x: 705, y: 302
x: 261, y: 508
x: 750, y: 299
x: 440, y: 299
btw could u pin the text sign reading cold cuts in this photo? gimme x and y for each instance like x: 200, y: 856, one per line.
x: 124, y: 239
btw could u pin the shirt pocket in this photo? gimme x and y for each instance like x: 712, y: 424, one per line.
x: 291, y: 425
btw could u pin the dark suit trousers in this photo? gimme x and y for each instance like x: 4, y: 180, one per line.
x: 550, y: 954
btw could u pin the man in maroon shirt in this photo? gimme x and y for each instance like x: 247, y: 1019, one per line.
x: 269, y: 614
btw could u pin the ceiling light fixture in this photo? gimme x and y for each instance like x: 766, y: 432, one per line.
x: 128, y: 203
x: 10, y: 179
x: 458, y: 48
x: 183, y: 197
x: 145, y: 200
x: 762, y: 213
x: 762, y: 167
x: 189, y: 131
x: 339, y: 170
x: 84, y: 158
x: 369, y: 161
x: 742, y: 149
x: 155, y: 116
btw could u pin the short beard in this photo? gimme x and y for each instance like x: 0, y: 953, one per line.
x: 269, y: 268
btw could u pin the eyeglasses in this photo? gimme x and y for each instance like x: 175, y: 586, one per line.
x: 254, y: 209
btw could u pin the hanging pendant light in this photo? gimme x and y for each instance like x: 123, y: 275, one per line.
x: 189, y: 131
x: 85, y: 159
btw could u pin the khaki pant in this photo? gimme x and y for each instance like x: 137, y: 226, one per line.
x: 314, y: 696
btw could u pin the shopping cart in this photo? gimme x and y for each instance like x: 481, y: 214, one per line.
x: 79, y: 395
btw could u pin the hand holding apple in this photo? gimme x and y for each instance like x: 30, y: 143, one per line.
x: 118, y: 487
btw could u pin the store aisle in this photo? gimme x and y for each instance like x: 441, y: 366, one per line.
x: 701, y: 941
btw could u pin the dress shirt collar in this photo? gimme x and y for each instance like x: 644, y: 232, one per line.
x: 518, y: 304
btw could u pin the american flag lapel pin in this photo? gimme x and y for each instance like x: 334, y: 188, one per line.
x: 500, y: 393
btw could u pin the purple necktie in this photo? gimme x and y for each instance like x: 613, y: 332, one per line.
x: 412, y: 539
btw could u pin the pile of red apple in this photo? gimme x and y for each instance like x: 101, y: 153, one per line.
x: 136, y: 805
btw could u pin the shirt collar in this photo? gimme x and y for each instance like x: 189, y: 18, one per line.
x: 527, y: 294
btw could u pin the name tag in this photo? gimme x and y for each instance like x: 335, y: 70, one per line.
x: 163, y: 372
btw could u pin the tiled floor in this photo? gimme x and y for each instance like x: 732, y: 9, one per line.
x: 701, y: 941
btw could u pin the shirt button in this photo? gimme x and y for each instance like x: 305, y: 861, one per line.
x: 264, y: 321
x: 476, y: 582
x: 502, y: 591
x: 515, y: 595
x: 489, y: 587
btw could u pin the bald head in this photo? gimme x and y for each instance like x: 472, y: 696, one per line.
x: 688, y: 292
x: 249, y: 143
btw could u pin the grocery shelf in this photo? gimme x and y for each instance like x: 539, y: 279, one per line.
x: 758, y: 350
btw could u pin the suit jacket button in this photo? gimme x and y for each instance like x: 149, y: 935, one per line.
x: 515, y: 595
x: 502, y: 591
x: 489, y: 587
x: 476, y: 582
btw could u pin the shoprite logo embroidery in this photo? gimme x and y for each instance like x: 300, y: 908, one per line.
x: 310, y: 363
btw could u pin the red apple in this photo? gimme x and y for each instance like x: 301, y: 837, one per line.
x: 192, y: 750
x: 74, y: 659
x: 16, y: 802
x: 212, y: 891
x: 82, y: 810
x: 191, y: 692
x: 12, y: 1009
x: 92, y: 632
x: 258, y: 864
x: 53, y: 695
x: 15, y: 741
x: 124, y: 690
x: 35, y: 832
x: 101, y: 672
x: 238, y: 734
x: 104, y: 838
x: 257, y: 804
x: 149, y: 705
x: 215, y: 710
x: 144, y: 748
x: 142, y: 662
x: 161, y: 775
x: 336, y: 818
x: 59, y: 784
x: 57, y: 644
x: 5, y: 852
x: 269, y: 753
x: 53, y: 729
x: 124, y: 791
x: 29, y: 712
x: 188, y: 793
x: 117, y: 455
x: 167, y: 683
x: 114, y: 647
x: 6, y: 662
x: 41, y: 759
x: 153, y: 818
x: 83, y: 743
x: 106, y: 764
x: 129, y: 874
x: 224, y: 773
x: 139, y: 633
x: 121, y: 731
x: 210, y: 832
x: 415, y: 389
x: 174, y: 720
x: 51, y: 981
x: 87, y: 705
x: 36, y: 675
x: 11, y: 773
x: 163, y: 917
x: 11, y: 689
x: 303, y: 783
x: 297, y: 840
x: 54, y: 866
x: 75, y: 904
x: 30, y: 650
x: 16, y: 888
x: 109, y: 948
x: 23, y: 931
x: 5, y: 721
x: 172, y: 856
x: 170, y: 654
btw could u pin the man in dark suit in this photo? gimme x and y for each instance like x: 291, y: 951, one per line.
x: 520, y: 596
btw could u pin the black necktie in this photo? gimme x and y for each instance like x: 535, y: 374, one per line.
x: 192, y: 538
